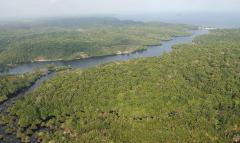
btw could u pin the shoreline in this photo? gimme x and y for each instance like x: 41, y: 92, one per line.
x: 23, y: 90
x: 94, y: 57
x: 85, y: 58
x: 83, y: 62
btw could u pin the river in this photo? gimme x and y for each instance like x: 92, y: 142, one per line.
x: 151, y: 51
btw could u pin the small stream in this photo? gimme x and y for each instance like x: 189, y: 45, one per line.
x: 151, y: 51
x: 11, y: 138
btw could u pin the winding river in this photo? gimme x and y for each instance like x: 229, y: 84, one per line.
x: 85, y: 63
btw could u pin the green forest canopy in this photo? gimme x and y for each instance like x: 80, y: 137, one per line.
x: 189, y: 95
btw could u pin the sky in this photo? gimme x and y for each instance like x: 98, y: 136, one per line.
x: 18, y: 8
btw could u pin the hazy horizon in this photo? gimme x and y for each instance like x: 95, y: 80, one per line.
x: 49, y: 8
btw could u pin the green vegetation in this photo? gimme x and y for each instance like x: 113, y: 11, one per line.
x: 189, y: 95
x: 13, y: 84
x: 68, y: 39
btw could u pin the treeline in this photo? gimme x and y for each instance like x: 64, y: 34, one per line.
x: 84, y: 22
x: 68, y: 39
x: 189, y: 95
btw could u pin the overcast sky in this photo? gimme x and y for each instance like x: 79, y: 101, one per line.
x: 10, y: 8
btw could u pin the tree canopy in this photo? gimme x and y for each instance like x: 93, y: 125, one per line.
x: 189, y: 95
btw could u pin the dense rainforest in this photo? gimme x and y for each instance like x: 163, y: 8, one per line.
x: 10, y: 85
x: 189, y: 95
x: 76, y: 38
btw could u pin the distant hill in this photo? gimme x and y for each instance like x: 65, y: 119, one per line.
x: 68, y: 22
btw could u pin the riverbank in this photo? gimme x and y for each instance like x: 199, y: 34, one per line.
x: 21, y: 90
x: 150, y: 51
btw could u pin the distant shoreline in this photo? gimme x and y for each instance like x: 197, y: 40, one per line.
x: 70, y: 62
